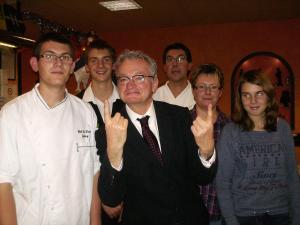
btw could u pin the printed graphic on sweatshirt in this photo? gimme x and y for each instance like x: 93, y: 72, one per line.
x: 262, y: 167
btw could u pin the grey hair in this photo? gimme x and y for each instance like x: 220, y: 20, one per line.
x: 135, y: 54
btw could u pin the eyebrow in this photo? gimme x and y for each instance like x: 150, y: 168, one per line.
x: 50, y: 51
x: 176, y: 56
x: 96, y: 57
x: 247, y: 92
x: 209, y: 84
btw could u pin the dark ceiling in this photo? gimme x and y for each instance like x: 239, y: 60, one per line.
x: 86, y: 15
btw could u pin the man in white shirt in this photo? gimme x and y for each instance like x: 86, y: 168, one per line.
x: 177, y: 90
x: 154, y: 167
x: 100, y: 57
x: 48, y: 166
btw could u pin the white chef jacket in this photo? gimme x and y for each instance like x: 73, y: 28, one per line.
x: 49, y: 157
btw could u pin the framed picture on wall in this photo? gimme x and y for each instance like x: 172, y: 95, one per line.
x: 1, y: 89
x: 8, y: 77
x: 8, y: 62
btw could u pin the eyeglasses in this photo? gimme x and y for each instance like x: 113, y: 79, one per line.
x: 104, y: 60
x: 137, y: 79
x: 178, y: 59
x: 207, y: 87
x: 50, y: 57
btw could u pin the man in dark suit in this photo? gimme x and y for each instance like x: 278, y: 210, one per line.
x: 154, y: 175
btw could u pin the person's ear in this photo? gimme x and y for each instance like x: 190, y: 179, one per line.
x: 165, y: 68
x: 220, y: 93
x: 87, y: 69
x: 155, y: 84
x: 34, y: 64
x: 72, y: 68
x: 190, y: 65
x: 194, y: 91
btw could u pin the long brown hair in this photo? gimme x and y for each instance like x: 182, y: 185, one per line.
x: 241, y: 116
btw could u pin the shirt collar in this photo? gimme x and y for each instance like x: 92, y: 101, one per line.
x: 89, y: 95
x: 44, y: 102
x: 134, y: 116
x: 188, y: 86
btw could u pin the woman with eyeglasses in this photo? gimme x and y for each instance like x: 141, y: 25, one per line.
x: 207, y: 81
x: 257, y: 179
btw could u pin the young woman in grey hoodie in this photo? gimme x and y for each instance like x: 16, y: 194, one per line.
x: 257, y: 179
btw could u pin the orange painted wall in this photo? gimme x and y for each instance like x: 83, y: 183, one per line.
x: 223, y: 44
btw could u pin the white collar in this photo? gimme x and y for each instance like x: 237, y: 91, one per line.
x: 40, y: 97
x: 134, y: 116
x: 89, y: 95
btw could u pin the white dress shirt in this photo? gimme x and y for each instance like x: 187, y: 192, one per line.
x: 152, y: 122
x: 90, y: 97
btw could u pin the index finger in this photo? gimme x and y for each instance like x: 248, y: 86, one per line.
x: 107, y: 115
x: 209, y: 113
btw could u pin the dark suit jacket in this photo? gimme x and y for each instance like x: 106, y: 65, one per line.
x: 155, y: 194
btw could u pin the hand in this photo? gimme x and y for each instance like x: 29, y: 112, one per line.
x: 202, y: 130
x: 113, y: 212
x: 116, y: 134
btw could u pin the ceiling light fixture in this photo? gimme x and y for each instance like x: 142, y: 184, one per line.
x: 7, y: 45
x: 120, y: 5
x: 24, y: 38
